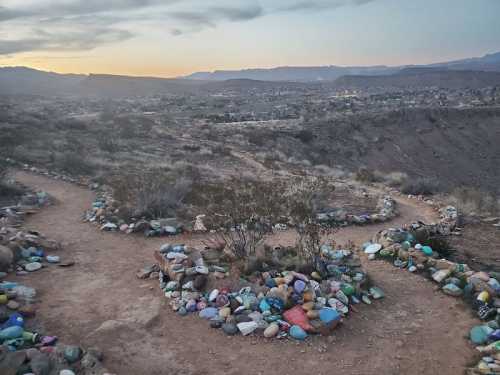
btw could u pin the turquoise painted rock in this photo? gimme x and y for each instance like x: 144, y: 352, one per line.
x: 452, y: 290
x: 72, y: 353
x: 297, y: 333
x: 10, y: 333
x: 479, y: 334
x: 427, y: 250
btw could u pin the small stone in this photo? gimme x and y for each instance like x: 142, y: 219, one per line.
x: 376, y: 292
x: 479, y: 334
x: 66, y: 372
x: 13, y: 305
x: 297, y: 333
x: 53, y: 259
x: 208, y: 313
x: 271, y: 331
x: 452, y: 290
x: 247, y: 328
x: 72, y: 353
x: 34, y: 266
x: 230, y: 329
x: 225, y: 312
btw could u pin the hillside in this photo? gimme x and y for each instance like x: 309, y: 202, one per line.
x: 414, y: 78
x: 489, y: 62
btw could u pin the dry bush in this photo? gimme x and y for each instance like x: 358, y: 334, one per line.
x: 7, y: 188
x: 366, y: 175
x: 75, y: 164
x: 245, y: 209
x: 420, y: 186
x: 395, y: 179
x: 474, y: 201
x: 152, y: 193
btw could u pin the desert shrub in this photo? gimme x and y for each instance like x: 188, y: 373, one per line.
x: 151, y: 193
x: 75, y: 164
x: 420, y: 186
x: 107, y: 144
x: 245, y: 209
x: 395, y: 179
x: 221, y: 150
x: 257, y: 139
x: 471, y: 200
x: 367, y: 175
x: 7, y: 188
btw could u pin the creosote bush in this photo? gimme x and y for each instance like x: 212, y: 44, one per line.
x: 152, y: 193
x: 420, y: 186
x: 244, y: 210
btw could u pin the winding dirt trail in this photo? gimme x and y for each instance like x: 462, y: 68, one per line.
x: 99, y: 301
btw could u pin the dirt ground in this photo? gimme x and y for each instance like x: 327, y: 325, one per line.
x: 478, y: 246
x: 99, y: 302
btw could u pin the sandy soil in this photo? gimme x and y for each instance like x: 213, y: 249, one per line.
x: 99, y: 301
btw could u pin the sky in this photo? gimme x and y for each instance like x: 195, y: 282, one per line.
x: 170, y: 38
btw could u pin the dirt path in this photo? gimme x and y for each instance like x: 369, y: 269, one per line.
x: 99, y: 301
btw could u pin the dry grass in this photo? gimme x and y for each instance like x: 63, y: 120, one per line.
x: 474, y: 201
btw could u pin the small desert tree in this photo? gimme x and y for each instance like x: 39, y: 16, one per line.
x: 244, y: 211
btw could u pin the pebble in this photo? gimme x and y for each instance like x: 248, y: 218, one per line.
x: 72, y: 353
x: 247, y: 328
x: 272, y: 330
x: 297, y: 333
x: 230, y: 329
x: 34, y: 266
x: 66, y: 372
x: 53, y: 259
x: 13, y: 305
x: 208, y: 313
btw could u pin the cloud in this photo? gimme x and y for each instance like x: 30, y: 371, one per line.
x: 51, y: 25
x: 210, y: 17
x: 321, y: 5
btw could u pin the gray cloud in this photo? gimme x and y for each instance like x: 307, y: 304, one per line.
x: 87, y: 24
x: 321, y: 5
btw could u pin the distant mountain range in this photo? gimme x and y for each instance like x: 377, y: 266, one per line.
x: 490, y: 62
x: 473, y: 73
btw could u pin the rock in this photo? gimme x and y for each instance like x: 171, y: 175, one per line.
x: 6, y: 258
x: 271, y: 331
x: 13, y: 305
x: 329, y: 315
x: 373, y: 248
x: 213, y: 295
x: 208, y: 313
x: 376, y: 292
x: 452, y: 290
x: 440, y: 275
x: 10, y: 362
x: 28, y: 311
x: 40, y: 364
x: 297, y: 333
x: 299, y: 286
x: 72, y: 353
x: 34, y: 266
x: 247, y: 328
x: 230, y: 329
x: 10, y: 333
x: 66, y: 372
x: 479, y: 334
x: 53, y: 259
x: 225, y: 312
